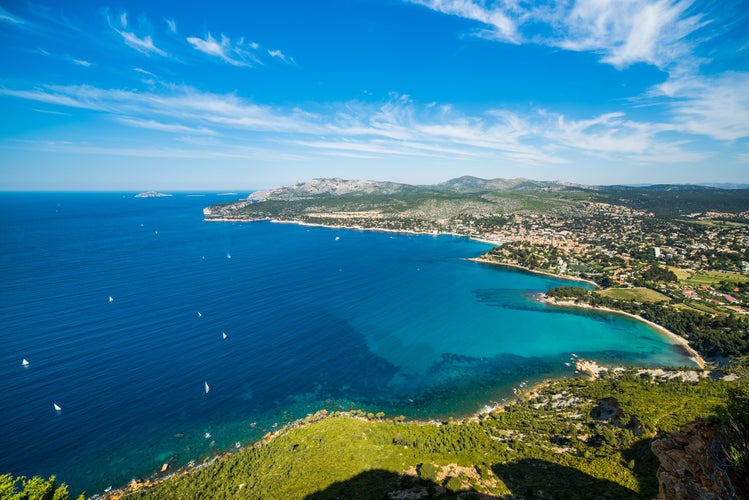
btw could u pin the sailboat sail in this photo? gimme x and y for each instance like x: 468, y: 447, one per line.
x: 207, y: 388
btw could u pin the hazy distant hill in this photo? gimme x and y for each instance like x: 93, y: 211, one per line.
x: 675, y: 200
x: 475, y: 197
x: 468, y: 184
x: 332, y: 187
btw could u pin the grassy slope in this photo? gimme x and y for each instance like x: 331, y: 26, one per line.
x: 549, y: 444
x: 712, y: 278
x: 637, y: 294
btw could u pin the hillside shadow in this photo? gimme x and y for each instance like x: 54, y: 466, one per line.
x: 645, y: 467
x: 381, y: 484
x: 533, y: 478
x: 526, y: 479
x: 369, y: 485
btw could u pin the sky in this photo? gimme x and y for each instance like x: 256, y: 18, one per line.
x: 227, y: 95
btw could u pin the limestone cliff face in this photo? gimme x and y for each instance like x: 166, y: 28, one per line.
x: 691, y: 465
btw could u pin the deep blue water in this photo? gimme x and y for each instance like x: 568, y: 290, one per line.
x: 314, y: 317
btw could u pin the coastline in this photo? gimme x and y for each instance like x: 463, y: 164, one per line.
x: 483, y: 260
x: 354, y: 228
x: 662, y: 330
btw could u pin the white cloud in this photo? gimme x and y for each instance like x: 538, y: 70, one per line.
x: 497, y: 18
x: 280, y: 55
x: 627, y: 32
x: 142, y: 44
x: 236, y: 54
x: 716, y: 106
x: 172, y: 25
x: 81, y: 62
x: 624, y: 32
x: 7, y: 17
x: 166, y: 127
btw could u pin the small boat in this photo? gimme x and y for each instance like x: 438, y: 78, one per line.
x: 207, y: 388
x: 25, y: 362
x: 200, y: 315
x: 111, y: 299
x: 57, y: 407
x: 337, y: 238
x: 228, y: 256
x: 224, y: 335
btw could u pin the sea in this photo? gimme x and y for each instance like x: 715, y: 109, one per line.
x: 163, y: 338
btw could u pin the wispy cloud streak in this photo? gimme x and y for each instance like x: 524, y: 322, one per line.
x: 499, y: 19
x: 171, y: 24
x: 398, y: 127
x: 277, y: 54
x: 143, y: 44
x: 624, y: 32
x: 716, y: 106
x: 9, y: 18
x: 237, y: 54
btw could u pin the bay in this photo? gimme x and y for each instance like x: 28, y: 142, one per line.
x: 314, y: 318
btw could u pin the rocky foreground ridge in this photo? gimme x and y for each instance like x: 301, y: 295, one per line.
x: 693, y: 465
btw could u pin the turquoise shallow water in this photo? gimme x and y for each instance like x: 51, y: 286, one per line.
x: 315, y: 318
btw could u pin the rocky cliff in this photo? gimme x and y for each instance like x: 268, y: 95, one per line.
x: 693, y: 466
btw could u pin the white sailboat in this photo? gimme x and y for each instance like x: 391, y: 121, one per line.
x: 57, y: 407
x: 200, y: 315
x: 207, y: 388
x: 111, y: 299
x: 224, y: 335
x: 25, y: 362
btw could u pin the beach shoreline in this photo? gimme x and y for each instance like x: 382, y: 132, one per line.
x: 678, y: 339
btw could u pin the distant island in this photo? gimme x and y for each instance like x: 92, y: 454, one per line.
x: 151, y: 194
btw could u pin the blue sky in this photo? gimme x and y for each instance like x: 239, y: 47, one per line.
x: 215, y: 95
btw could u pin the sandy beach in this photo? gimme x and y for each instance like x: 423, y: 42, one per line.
x: 666, y: 332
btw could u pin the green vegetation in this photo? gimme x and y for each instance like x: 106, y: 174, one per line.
x: 679, y: 201
x: 554, y: 442
x: 734, y: 430
x: 36, y: 488
x: 715, y: 223
x: 658, y: 274
x: 681, y: 274
x: 712, y: 278
x: 637, y: 294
